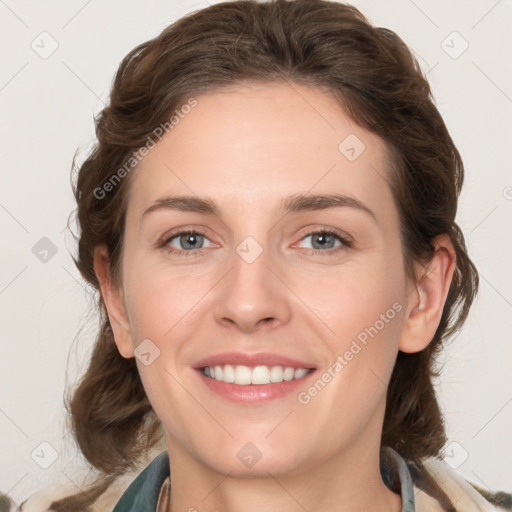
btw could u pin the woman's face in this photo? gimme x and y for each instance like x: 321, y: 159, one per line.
x: 251, y: 279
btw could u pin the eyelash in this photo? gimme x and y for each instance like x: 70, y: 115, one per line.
x: 345, y: 243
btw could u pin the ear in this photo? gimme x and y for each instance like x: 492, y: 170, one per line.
x: 113, y: 299
x: 426, y: 301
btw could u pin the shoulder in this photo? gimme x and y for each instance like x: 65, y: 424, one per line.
x: 431, y: 484
x: 437, y: 480
x: 144, y: 492
x: 41, y: 501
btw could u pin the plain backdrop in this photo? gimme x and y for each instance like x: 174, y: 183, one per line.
x: 57, y: 62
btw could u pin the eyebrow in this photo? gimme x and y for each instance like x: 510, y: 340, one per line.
x: 294, y: 203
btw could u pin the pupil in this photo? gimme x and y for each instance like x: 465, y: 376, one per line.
x: 323, y: 239
x: 190, y: 239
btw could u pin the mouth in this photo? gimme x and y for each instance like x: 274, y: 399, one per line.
x: 242, y: 375
x: 252, y: 379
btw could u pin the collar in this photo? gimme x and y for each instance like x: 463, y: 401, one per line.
x: 144, y: 492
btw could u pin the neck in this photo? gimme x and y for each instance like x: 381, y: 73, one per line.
x: 347, y: 481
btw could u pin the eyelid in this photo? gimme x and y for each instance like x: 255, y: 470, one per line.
x: 345, y: 240
x: 169, y: 235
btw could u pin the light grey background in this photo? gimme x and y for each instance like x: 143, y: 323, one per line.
x: 47, y: 106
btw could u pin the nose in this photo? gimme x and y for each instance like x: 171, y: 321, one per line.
x: 253, y: 295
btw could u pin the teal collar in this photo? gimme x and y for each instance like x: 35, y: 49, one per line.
x: 144, y: 491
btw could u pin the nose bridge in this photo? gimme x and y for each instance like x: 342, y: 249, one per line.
x: 251, y: 293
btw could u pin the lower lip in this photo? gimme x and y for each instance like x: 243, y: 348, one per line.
x: 255, y: 393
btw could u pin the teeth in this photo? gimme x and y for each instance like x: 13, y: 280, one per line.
x: 300, y: 372
x: 228, y: 373
x: 245, y: 375
x: 289, y: 373
x: 260, y: 375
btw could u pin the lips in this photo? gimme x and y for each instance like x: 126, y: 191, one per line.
x: 256, y: 359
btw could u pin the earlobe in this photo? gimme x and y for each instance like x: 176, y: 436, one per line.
x: 113, y: 300
x: 425, y: 303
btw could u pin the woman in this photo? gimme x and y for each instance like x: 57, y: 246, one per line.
x: 269, y: 217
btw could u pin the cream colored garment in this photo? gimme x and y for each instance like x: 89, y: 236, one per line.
x: 464, y: 497
x: 163, y: 499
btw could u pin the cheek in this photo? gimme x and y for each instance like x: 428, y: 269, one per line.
x: 366, y: 322
x: 362, y: 300
x: 363, y: 308
x: 162, y: 302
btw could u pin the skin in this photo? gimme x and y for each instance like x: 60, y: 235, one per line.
x: 246, y: 148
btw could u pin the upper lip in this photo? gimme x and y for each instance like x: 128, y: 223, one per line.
x: 255, y: 359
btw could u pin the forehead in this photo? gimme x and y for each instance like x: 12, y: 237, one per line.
x: 257, y: 143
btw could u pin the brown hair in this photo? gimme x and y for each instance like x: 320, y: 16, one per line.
x: 380, y: 85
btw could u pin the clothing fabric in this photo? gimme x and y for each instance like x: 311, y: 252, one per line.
x: 150, y: 491
x: 425, y: 488
x: 144, y: 492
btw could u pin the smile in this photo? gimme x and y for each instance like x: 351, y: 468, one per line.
x: 260, y: 375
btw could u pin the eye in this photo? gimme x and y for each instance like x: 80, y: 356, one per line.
x: 191, y: 242
x: 324, y: 241
x: 185, y: 242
